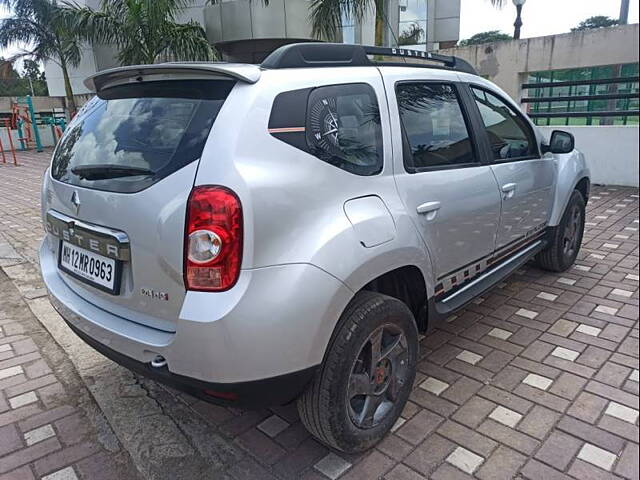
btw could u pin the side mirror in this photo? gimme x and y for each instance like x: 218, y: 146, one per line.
x: 561, y: 142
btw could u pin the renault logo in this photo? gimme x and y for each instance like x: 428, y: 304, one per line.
x: 75, y: 200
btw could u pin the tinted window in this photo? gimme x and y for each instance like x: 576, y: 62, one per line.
x: 435, y: 130
x: 157, y: 127
x: 339, y: 124
x: 509, y: 133
x: 343, y: 128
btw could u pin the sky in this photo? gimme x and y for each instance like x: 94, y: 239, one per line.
x: 539, y: 17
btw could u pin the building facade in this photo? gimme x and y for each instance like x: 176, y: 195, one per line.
x: 247, y: 31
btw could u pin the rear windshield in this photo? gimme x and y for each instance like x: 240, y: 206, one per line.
x: 131, y: 136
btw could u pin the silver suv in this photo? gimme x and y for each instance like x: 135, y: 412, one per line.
x: 258, y: 234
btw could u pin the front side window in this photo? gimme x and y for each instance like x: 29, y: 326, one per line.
x: 509, y: 133
x: 436, y: 134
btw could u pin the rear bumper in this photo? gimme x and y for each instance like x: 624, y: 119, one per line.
x: 259, y: 393
x: 271, y: 329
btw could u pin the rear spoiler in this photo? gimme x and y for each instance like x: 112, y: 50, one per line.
x: 172, y: 71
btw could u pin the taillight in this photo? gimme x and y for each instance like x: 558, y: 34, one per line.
x: 213, y: 239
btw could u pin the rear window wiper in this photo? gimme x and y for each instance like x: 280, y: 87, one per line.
x: 106, y: 170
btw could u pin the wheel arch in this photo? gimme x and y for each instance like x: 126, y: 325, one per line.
x: 406, y: 284
x: 573, y: 174
x: 404, y: 274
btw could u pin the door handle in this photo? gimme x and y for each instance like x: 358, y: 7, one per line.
x: 509, y: 190
x: 430, y: 209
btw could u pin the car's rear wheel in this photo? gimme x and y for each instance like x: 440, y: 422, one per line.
x: 366, y: 377
x: 565, y: 239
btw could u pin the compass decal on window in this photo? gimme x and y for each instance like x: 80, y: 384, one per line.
x: 341, y: 125
x: 324, y: 126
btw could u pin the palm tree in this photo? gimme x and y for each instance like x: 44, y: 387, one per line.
x: 326, y: 16
x: 144, y: 31
x: 41, y: 27
x: 518, y: 22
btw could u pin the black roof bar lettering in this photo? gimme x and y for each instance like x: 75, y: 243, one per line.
x: 317, y: 54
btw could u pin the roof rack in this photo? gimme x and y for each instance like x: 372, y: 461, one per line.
x: 318, y: 54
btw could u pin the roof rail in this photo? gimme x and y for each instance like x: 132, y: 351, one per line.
x: 318, y: 54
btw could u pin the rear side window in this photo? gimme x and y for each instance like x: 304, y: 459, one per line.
x: 338, y: 124
x: 509, y: 133
x: 132, y: 136
x: 435, y: 130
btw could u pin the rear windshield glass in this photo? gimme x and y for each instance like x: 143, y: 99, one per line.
x: 132, y: 136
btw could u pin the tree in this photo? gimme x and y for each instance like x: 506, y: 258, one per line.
x: 12, y: 84
x: 41, y: 27
x: 6, y: 69
x: 31, y: 69
x: 599, y: 21
x: 518, y: 23
x: 34, y: 79
x: 485, y: 37
x: 144, y: 31
x: 326, y: 16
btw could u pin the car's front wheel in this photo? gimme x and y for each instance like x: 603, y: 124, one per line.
x: 366, y: 377
x: 565, y: 239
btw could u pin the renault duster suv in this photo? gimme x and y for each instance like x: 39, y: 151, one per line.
x: 258, y: 234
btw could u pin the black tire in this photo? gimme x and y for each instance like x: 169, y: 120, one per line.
x: 565, y: 239
x: 325, y: 407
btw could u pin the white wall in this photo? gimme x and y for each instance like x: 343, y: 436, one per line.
x: 611, y: 152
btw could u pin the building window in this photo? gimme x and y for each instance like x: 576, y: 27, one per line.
x: 577, y: 91
x: 412, y: 31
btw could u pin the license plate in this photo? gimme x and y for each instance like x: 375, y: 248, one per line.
x: 90, y: 267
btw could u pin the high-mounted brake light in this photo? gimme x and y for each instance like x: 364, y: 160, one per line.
x: 213, y: 239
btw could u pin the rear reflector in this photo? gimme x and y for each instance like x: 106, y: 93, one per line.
x: 213, y: 239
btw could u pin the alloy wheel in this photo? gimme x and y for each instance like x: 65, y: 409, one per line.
x: 378, y: 374
x: 572, y: 232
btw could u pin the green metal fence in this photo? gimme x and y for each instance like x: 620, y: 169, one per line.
x: 606, y: 95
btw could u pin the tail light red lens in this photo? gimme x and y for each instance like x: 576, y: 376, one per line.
x: 213, y: 239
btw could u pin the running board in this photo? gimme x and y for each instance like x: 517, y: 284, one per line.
x: 484, y: 282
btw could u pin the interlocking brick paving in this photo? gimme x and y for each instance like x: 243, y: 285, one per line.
x: 49, y: 424
x: 538, y: 379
